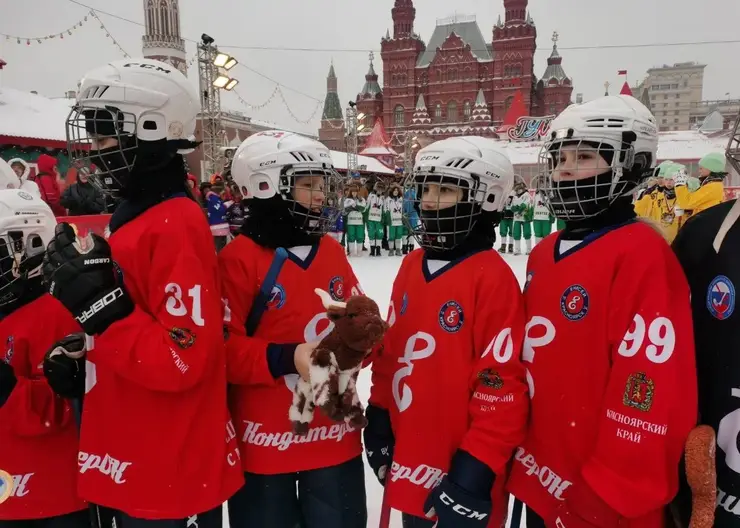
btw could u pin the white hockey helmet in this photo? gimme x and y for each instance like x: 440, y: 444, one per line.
x: 26, y: 228
x: 8, y: 178
x: 478, y: 166
x: 267, y: 164
x: 623, y: 132
x: 150, y: 109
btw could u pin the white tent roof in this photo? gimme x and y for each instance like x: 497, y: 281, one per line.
x: 340, y: 163
x: 27, y: 115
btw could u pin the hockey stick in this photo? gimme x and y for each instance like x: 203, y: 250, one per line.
x: 385, y: 511
x: 516, y: 513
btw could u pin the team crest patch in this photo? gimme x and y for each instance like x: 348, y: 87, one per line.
x: 490, y: 378
x: 639, y: 391
x: 336, y: 288
x: 9, y: 347
x: 404, y: 303
x: 530, y: 275
x: 6, y: 485
x: 721, y: 297
x: 574, y: 302
x: 183, y: 337
x: 451, y: 316
x: 277, y: 298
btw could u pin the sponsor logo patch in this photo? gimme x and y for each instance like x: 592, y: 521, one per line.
x: 451, y: 316
x: 183, y: 337
x: 336, y: 288
x: 721, y: 297
x: 490, y: 378
x: 574, y: 302
x: 277, y: 298
x: 639, y: 392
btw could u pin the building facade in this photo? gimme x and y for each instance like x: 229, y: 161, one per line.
x: 460, y: 82
x: 674, y: 91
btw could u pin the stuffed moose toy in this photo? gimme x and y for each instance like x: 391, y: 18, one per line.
x: 336, y: 362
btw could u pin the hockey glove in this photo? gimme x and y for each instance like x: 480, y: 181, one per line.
x: 82, y: 275
x: 7, y: 382
x: 463, y: 498
x: 680, y: 178
x: 64, y: 366
x: 379, y: 441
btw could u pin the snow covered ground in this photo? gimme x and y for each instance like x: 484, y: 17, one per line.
x: 376, y: 276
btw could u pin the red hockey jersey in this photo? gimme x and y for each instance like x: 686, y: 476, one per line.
x: 259, y: 403
x: 610, y: 355
x: 157, y: 441
x: 449, y: 373
x: 38, y: 433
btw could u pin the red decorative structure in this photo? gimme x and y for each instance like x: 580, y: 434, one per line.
x: 377, y: 145
x: 626, y: 90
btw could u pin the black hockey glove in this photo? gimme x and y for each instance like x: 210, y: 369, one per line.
x: 86, y: 280
x: 463, y: 498
x: 7, y: 382
x: 64, y: 366
x: 379, y: 441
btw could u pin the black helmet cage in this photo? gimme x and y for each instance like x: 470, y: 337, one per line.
x: 593, y: 189
x: 20, y: 259
x: 454, y: 222
x: 87, y: 124
x: 310, y: 221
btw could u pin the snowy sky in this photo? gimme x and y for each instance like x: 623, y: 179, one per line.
x: 346, y: 30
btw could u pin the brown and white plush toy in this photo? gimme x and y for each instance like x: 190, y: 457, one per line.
x: 336, y: 362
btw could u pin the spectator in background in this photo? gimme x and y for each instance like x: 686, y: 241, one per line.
x: 216, y: 211
x: 22, y: 170
x: 234, y: 209
x: 193, y: 184
x: 83, y: 198
x: 47, y: 180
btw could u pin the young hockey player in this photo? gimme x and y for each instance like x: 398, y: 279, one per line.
x: 412, y: 217
x: 374, y: 212
x: 20, y: 168
x: 38, y: 434
x: 505, y: 228
x: 355, y: 206
x: 708, y: 247
x: 522, y: 225
x: 543, y: 220
x: 455, y: 294
x: 608, y: 345
x: 157, y: 444
x: 394, y: 219
x: 313, y: 481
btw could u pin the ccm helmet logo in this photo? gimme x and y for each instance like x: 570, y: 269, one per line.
x: 429, y: 158
x: 265, y: 163
x: 90, y: 262
x: 147, y: 67
x: 493, y: 174
x: 99, y: 305
x: 323, y: 155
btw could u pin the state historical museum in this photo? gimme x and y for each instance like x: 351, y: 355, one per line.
x: 458, y: 84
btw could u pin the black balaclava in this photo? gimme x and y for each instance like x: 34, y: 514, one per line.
x: 271, y: 224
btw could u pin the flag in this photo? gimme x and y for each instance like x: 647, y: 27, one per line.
x: 622, y: 72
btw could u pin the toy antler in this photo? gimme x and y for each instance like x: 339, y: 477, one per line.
x: 328, y: 301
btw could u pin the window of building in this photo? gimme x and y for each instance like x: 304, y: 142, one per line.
x: 467, y: 109
x: 553, y: 109
x: 678, y: 96
x: 452, y: 112
x: 686, y: 84
x: 674, y: 87
x: 507, y: 71
x: 438, y: 112
x: 675, y: 113
x: 675, y: 121
x: 452, y: 76
x: 664, y: 122
x: 398, y: 116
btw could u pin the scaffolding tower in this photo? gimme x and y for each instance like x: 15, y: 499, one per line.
x: 210, y: 101
x: 351, y: 126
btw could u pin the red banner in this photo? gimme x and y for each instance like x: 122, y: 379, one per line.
x: 84, y: 224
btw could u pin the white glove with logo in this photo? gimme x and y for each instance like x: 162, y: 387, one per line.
x: 680, y: 177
